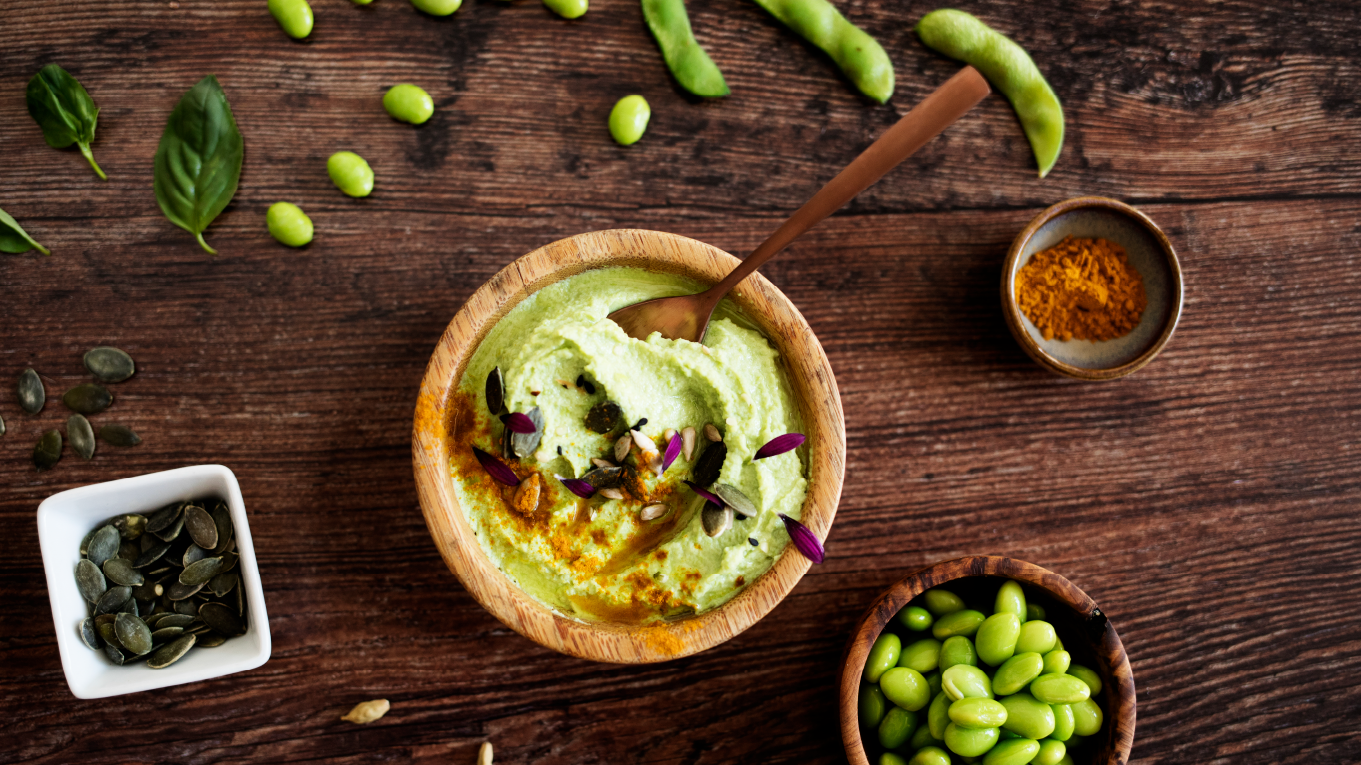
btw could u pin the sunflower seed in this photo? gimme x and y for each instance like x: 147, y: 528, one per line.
x: 161, y: 519
x: 711, y: 433
x: 612, y: 493
x: 151, y: 556
x: 104, y: 545
x: 367, y: 711
x: 81, y: 436
x: 210, y: 640
x: 644, y: 443
x: 88, y: 398
x: 652, y: 512
x: 163, y: 635
x: 109, y: 364
x: 716, y: 520
x: 120, y: 571
x: 222, y: 584
x: 602, y: 463
x: 654, y: 461
x: 111, y: 651
x: 221, y: 619
x: 710, y: 464
x: 88, y: 634
x: 132, y: 633
x: 484, y: 753
x: 199, y: 572
x: 170, y: 654
x: 113, y: 600
x: 604, y: 417
x: 119, y: 435
x: 47, y: 453
x: 496, y: 391
x: 180, y: 591
x: 668, y: 434
x: 90, y: 581
x: 734, y: 498
x: 524, y: 444
x: 32, y: 395
x: 688, y: 442
x: 622, y: 447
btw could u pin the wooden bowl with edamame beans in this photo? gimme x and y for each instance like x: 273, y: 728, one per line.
x: 1082, y: 627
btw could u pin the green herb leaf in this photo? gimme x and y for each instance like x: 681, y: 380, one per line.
x: 64, y: 110
x: 13, y: 238
x: 198, y: 162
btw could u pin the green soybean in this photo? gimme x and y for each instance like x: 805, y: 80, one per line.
x: 408, y: 103
x: 294, y: 17
x: 1009, y: 68
x: 568, y: 9
x: 1016, y: 751
x: 922, y: 655
x: 1064, y: 722
x: 1086, y: 718
x: 1036, y: 635
x: 1088, y: 676
x: 1067, y: 760
x: 1051, y: 753
x: 964, y: 623
x: 1017, y: 672
x: 289, y: 224
x: 897, y: 727
x: 889, y: 758
x: 350, y: 173
x: 1010, y: 600
x: 941, y: 602
x: 628, y: 119
x: 970, y: 742
x: 957, y: 650
x: 437, y: 7
x: 997, y: 636
x: 1059, y: 689
x: 1057, y: 661
x: 906, y: 688
x: 1034, y: 611
x: 883, y: 656
x: 1025, y: 715
x: 859, y: 56
x: 963, y: 681
x: 933, y: 681
x: 978, y: 713
x: 938, y: 715
x: 915, y: 618
x: 923, y: 738
x: 930, y: 755
x: 872, y: 706
x: 689, y: 64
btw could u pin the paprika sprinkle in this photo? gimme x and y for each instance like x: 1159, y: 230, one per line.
x: 1082, y: 289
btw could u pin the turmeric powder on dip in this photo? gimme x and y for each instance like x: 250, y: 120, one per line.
x: 1082, y: 289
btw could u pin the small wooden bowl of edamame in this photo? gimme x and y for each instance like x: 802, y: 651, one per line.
x: 1087, y: 637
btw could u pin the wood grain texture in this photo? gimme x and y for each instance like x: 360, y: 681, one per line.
x: 1208, y: 502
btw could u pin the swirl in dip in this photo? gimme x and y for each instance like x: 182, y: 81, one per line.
x: 598, y: 558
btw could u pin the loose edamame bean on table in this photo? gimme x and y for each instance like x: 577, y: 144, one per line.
x: 628, y: 119
x: 689, y: 64
x: 289, y: 224
x: 408, y: 103
x: 568, y: 9
x: 437, y: 7
x: 860, y: 57
x: 350, y: 173
x: 294, y: 17
x: 1009, y: 68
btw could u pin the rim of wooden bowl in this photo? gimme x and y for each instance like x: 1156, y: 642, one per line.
x: 1012, y: 311
x: 810, y: 374
x: 1117, y: 676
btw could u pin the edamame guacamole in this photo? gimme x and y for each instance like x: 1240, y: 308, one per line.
x: 643, y: 545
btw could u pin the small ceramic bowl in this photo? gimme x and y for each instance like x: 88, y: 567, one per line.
x: 1084, y: 629
x: 1149, y: 252
x: 64, y: 519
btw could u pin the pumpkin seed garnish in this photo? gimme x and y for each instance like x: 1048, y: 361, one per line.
x: 120, y: 571
x: 202, y: 528
x: 652, y: 512
x: 734, y: 498
x: 367, y: 711
x: 524, y: 444
x: 103, y: 545
x: 32, y: 395
x: 48, y: 451
x: 711, y: 433
x: 496, y: 391
x: 221, y: 619
x: 90, y: 581
x: 526, y: 499
x: 604, y: 417
x: 605, y: 478
x: 113, y: 600
x: 716, y: 519
x: 132, y: 633
x: 199, y: 572
x: 109, y: 364
x: 118, y: 435
x: 88, y: 398
x: 81, y: 435
x: 710, y: 464
x: 88, y: 634
x: 170, y: 654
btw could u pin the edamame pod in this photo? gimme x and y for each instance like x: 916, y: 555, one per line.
x: 941, y: 602
x: 897, y: 727
x: 922, y: 655
x: 1086, y: 718
x: 915, y: 618
x: 996, y: 638
x: 689, y: 64
x: 294, y: 17
x: 883, y: 656
x: 873, y: 705
x: 350, y: 173
x: 930, y: 755
x: 1009, y: 68
x: 408, y: 103
x: 906, y: 688
x: 957, y: 650
x: 859, y: 56
x: 1017, y: 751
x: 1088, y: 676
x: 289, y: 224
x: 437, y: 7
x: 1010, y: 600
x: 970, y: 742
x: 568, y: 9
x: 1028, y: 717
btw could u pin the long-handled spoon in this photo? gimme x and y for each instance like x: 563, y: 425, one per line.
x: 687, y: 316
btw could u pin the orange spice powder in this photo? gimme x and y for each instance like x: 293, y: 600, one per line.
x: 1082, y: 289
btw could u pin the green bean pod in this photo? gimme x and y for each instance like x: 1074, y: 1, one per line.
x: 860, y: 57
x: 1010, y: 69
x: 689, y: 64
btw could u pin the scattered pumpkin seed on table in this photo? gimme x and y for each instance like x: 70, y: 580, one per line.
x: 109, y: 364
x: 88, y: 398
x: 81, y: 436
x: 32, y: 395
x: 118, y: 435
x: 48, y: 451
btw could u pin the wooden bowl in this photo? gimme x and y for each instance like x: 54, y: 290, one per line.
x: 1087, y: 634
x: 809, y: 374
x: 1151, y: 254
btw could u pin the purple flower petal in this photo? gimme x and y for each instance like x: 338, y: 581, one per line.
x: 519, y: 423
x: 496, y: 468
x: 696, y: 488
x: 780, y: 445
x: 673, y: 450
x: 577, y: 486
x: 804, y: 539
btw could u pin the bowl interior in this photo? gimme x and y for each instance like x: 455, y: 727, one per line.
x: 1146, y: 254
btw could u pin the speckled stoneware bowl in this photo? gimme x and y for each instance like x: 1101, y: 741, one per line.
x: 1149, y: 252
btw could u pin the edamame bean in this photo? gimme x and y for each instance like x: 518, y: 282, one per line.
x: 930, y: 755
x: 689, y: 64
x: 294, y: 17
x: 938, y: 715
x: 289, y: 224
x: 1036, y: 635
x: 1028, y: 717
x: 1017, y: 751
x: 957, y: 650
x: 978, y: 713
x: 970, y: 742
x: 883, y: 656
x: 921, y: 655
x: 1051, y: 752
x: 1034, y: 611
x: 1010, y: 600
x: 568, y: 9
x: 1074, y: 742
x: 897, y: 727
x: 1056, y: 661
x: 1058, y: 643
x: 1059, y: 689
x: 1067, y: 760
x: 859, y: 56
x: 941, y: 602
x: 889, y: 758
x: 1086, y: 718
x: 440, y: 7
x: 1009, y: 68
x: 1064, y: 722
x: 906, y: 688
x: 964, y: 623
x: 963, y: 681
x: 997, y: 636
x: 933, y: 682
x: 873, y: 705
x: 915, y: 618
x: 628, y: 119
x: 408, y: 103
x: 350, y: 173
x: 361, y: 2
x: 1006, y: 734
x: 923, y: 738
x: 1088, y: 676
x: 1017, y: 672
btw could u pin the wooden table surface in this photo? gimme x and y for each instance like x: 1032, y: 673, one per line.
x: 1211, y: 503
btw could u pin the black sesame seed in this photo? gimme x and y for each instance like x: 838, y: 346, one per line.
x: 559, y: 451
x: 640, y: 424
x: 585, y: 385
x: 753, y: 542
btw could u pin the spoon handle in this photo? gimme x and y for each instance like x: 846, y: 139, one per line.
x: 938, y: 111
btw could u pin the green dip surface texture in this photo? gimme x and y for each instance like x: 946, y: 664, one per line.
x: 595, y: 558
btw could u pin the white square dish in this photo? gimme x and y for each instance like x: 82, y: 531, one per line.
x: 63, y: 521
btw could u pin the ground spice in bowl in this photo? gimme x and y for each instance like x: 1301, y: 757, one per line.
x: 1082, y: 289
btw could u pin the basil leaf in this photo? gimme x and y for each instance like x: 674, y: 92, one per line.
x: 64, y: 110
x: 13, y: 237
x: 198, y: 162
